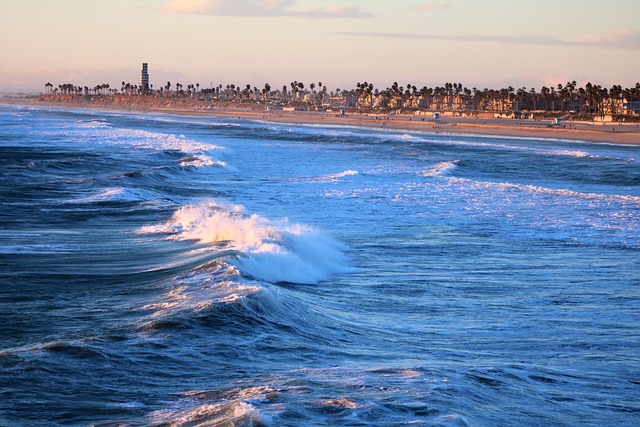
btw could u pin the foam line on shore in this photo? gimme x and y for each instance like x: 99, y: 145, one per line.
x: 614, y: 134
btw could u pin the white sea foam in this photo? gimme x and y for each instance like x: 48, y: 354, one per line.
x: 120, y: 194
x: 201, y: 289
x: 337, y: 176
x: 99, y: 132
x: 275, y: 251
x: 233, y: 413
x: 345, y: 173
x: 106, y: 195
x: 504, y: 186
x: 93, y: 124
x: 232, y: 407
x: 439, y: 169
x: 526, y: 148
x: 201, y: 160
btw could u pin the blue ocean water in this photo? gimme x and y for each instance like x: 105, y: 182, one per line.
x: 191, y: 271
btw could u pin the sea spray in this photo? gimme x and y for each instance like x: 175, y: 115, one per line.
x: 274, y: 251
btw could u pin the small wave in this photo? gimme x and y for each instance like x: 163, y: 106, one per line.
x: 120, y: 194
x: 103, y: 134
x: 75, y: 349
x: 134, y: 404
x: 275, y: 251
x: 200, y: 160
x: 199, y: 290
x: 345, y: 173
x: 232, y: 407
x: 94, y: 124
x: 439, y: 169
x: 503, y: 146
x: 339, y: 402
x: 236, y: 413
x: 569, y: 153
x: 408, y: 137
x: 549, y: 191
x: 327, y: 178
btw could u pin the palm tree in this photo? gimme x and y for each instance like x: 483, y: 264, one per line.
x: 266, y: 91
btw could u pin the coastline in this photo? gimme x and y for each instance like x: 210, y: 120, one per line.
x: 612, y: 133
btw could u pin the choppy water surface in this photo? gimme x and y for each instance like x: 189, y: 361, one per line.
x: 165, y: 270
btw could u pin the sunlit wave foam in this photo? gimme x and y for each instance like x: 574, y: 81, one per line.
x: 236, y: 413
x: 274, y: 251
x: 200, y: 290
x: 234, y: 407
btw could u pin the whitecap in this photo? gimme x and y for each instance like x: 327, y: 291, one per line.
x: 274, y: 251
x: 201, y: 160
x: 345, y: 173
x: 233, y: 413
x: 439, y: 169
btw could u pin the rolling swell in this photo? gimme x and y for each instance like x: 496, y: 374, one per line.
x: 161, y: 270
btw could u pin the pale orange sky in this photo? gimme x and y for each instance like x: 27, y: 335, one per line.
x: 481, y: 43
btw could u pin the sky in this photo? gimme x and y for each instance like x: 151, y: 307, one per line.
x: 479, y: 43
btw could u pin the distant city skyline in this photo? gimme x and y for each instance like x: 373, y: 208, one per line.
x: 479, y: 43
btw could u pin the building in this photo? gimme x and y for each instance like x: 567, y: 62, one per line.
x: 631, y: 106
x: 144, y: 79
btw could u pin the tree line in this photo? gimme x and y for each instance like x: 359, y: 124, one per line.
x: 569, y: 97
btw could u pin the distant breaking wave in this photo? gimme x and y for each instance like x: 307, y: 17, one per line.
x: 439, y: 169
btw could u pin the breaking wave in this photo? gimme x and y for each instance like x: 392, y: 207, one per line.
x: 439, y: 169
x: 274, y: 251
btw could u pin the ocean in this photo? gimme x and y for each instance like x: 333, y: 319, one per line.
x: 167, y: 270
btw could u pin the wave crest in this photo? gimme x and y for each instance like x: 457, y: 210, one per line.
x: 439, y: 169
x: 274, y: 251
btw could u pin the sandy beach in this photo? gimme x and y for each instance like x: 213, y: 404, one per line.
x: 614, y: 133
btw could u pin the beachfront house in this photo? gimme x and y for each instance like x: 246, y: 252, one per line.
x: 631, y: 107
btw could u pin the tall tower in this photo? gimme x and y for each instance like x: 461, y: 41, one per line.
x: 144, y: 79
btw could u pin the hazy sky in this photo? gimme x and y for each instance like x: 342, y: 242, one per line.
x: 479, y: 43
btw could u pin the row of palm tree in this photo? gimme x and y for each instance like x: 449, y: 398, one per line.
x: 591, y: 98
x: 71, y: 89
x: 453, y: 96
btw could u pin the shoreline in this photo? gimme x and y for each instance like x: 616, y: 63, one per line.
x: 611, y: 133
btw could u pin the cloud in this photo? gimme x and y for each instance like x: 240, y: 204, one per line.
x: 332, y: 12
x: 623, y: 39
x: 260, y: 8
x: 434, y: 5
